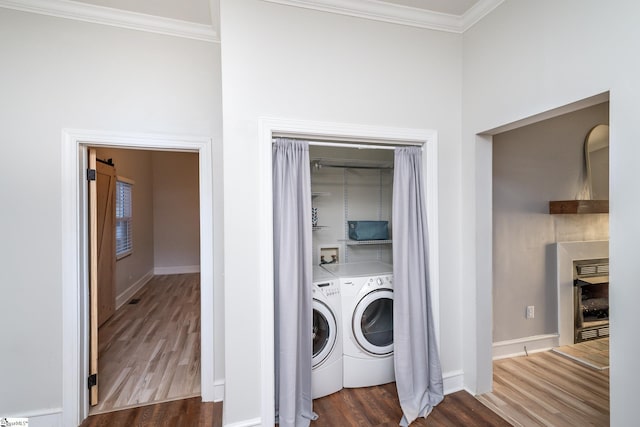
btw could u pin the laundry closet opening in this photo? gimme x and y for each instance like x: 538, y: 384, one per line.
x: 341, y: 252
x: 352, y: 194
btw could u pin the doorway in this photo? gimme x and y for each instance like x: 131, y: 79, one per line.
x: 147, y: 349
x: 75, y: 262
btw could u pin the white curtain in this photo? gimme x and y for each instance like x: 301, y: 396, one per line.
x: 292, y: 282
x: 417, y: 363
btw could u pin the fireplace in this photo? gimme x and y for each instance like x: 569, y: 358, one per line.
x: 566, y: 254
x: 591, y: 299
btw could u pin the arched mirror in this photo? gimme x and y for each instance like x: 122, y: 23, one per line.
x: 596, y: 150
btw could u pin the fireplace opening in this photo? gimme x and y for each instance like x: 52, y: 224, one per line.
x: 591, y: 299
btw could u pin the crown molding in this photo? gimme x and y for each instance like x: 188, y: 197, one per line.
x: 115, y: 17
x: 477, y: 12
x: 398, y: 14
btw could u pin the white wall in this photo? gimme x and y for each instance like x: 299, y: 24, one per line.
x: 136, y: 165
x: 524, y: 58
x: 295, y: 63
x: 185, y: 10
x: 176, y: 211
x: 533, y: 165
x: 67, y: 74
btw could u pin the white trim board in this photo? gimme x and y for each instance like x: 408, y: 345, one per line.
x: 41, y: 418
x: 268, y: 126
x: 398, y: 14
x: 253, y: 422
x: 178, y: 269
x: 115, y: 17
x: 516, y: 347
x: 128, y: 293
x: 75, y: 260
x: 453, y: 381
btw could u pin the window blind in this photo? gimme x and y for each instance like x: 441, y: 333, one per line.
x: 124, y: 218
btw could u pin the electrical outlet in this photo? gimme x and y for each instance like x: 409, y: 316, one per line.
x: 530, y: 312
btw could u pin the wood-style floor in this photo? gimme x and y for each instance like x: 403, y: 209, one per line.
x: 543, y: 389
x: 593, y: 353
x: 177, y: 413
x: 548, y: 389
x: 365, y: 407
x: 150, y: 351
x: 379, y: 406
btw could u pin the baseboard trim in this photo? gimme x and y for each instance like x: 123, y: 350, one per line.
x: 516, y: 347
x: 218, y: 391
x: 254, y: 422
x: 42, y: 418
x: 453, y: 381
x: 180, y: 269
x: 128, y: 293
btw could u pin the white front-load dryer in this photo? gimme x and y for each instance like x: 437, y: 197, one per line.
x: 367, y: 314
x: 326, y: 374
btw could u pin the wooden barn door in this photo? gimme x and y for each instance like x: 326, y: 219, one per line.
x: 102, y: 258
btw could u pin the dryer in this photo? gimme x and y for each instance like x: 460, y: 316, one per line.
x: 367, y: 312
x: 326, y: 374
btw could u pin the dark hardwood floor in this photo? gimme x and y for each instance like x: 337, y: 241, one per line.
x: 379, y: 406
x: 363, y: 407
x: 178, y: 413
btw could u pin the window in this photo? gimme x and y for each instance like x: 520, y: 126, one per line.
x: 124, y: 217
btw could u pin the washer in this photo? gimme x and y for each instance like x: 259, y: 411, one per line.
x: 367, y: 313
x: 326, y: 374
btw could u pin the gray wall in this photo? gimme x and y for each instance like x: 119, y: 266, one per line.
x: 531, y: 166
x: 176, y: 210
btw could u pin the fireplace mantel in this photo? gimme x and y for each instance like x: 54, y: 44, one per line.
x: 578, y: 206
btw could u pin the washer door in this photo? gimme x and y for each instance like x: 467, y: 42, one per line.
x: 324, y: 332
x: 373, y: 322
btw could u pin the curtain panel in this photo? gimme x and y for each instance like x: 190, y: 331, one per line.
x: 292, y: 282
x: 417, y: 363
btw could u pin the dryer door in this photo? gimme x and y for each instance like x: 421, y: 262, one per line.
x: 325, y: 332
x: 373, y: 322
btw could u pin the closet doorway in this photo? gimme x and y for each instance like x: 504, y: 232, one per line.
x: 349, y: 136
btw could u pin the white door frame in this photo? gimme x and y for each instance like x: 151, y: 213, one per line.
x: 342, y: 132
x: 75, y: 349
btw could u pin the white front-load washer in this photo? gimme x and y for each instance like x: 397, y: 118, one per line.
x: 367, y: 315
x: 326, y: 374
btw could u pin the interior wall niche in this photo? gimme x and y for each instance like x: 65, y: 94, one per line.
x: 350, y: 184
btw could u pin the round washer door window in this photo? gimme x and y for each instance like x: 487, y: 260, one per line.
x: 373, y: 322
x: 324, y: 332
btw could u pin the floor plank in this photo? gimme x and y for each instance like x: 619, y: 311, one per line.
x: 548, y: 389
x: 150, y: 351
